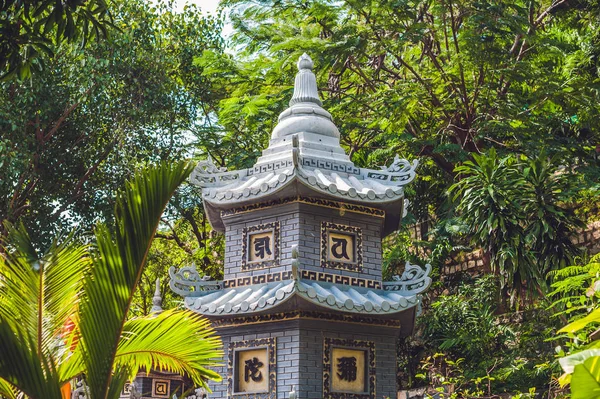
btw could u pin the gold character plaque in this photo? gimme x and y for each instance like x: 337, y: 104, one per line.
x: 349, y: 370
x: 340, y: 247
x: 251, y: 370
x: 261, y: 247
x: 160, y: 388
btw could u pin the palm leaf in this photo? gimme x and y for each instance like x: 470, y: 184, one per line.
x: 117, y: 268
x: 52, y: 281
x: 7, y: 390
x: 19, y: 283
x: 163, y: 342
x: 21, y: 366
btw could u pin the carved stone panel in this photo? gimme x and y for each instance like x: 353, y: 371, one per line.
x: 252, y: 371
x: 260, y: 246
x: 348, y: 369
x: 341, y: 247
x: 161, y: 388
x: 252, y: 368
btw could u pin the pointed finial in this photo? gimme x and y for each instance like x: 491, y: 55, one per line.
x: 305, y: 62
x: 305, y: 85
x: 156, y: 299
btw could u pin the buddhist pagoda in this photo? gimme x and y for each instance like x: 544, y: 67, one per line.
x: 302, y: 310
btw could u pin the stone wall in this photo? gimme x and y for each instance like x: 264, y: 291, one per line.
x: 300, y: 224
x: 299, y: 354
x: 589, y: 238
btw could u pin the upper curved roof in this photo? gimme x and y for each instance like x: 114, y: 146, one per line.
x: 304, y: 157
x: 364, y: 185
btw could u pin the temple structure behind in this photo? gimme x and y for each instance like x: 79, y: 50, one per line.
x: 302, y: 307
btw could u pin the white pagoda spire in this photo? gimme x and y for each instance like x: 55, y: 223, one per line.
x: 305, y: 86
x: 157, y: 299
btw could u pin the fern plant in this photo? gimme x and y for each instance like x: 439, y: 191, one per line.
x: 577, y: 293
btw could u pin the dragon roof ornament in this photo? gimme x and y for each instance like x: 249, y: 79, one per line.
x: 414, y: 280
x: 187, y: 281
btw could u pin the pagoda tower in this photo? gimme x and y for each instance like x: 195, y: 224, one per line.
x: 302, y: 310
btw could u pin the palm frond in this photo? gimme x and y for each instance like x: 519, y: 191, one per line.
x: 117, y: 268
x: 176, y: 341
x: 19, y: 283
x: 7, y: 390
x: 51, y: 281
x: 21, y: 366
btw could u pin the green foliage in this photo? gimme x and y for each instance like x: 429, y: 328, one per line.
x: 576, y: 299
x: 499, y: 353
x: 516, y: 209
x: 585, y: 382
x: 72, y: 135
x: 464, y: 324
x: 103, y: 344
x: 31, y: 30
x: 441, y: 80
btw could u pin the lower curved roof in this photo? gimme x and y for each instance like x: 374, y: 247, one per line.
x: 329, y: 296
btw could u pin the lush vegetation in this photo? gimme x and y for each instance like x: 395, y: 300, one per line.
x: 82, y: 296
x: 499, y: 100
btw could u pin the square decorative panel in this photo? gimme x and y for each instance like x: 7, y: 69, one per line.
x: 260, y: 246
x: 341, y: 247
x: 161, y: 388
x: 252, y: 368
x: 126, y: 392
x: 348, y: 369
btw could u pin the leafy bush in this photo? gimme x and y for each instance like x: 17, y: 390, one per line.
x: 464, y: 324
x: 496, y: 353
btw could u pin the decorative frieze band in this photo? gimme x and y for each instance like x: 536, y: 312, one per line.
x: 330, y: 165
x: 341, y: 206
x: 260, y: 279
x: 304, y: 274
x: 270, y: 167
x: 339, y: 279
x: 294, y: 315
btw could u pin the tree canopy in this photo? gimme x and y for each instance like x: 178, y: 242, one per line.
x: 498, y: 99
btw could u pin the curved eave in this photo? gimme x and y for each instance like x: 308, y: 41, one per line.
x: 327, y: 296
x: 331, y: 185
x: 292, y: 182
x: 242, y: 300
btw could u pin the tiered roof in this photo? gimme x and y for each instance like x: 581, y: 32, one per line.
x: 210, y: 299
x: 304, y: 158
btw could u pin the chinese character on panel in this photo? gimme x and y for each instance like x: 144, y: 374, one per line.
x: 126, y: 392
x: 340, y: 247
x: 160, y: 388
x: 260, y: 247
x: 252, y: 370
x: 348, y: 370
